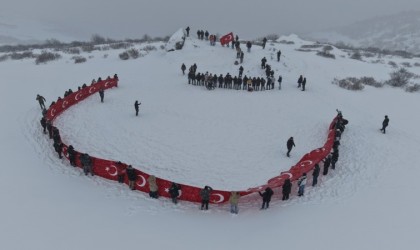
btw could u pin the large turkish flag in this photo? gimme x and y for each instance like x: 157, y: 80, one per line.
x: 226, y: 39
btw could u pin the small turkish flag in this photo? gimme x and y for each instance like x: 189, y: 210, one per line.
x: 226, y: 39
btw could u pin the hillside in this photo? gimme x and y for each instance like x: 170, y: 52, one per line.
x: 230, y: 139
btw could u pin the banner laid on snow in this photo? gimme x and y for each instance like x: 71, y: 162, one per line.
x: 113, y: 170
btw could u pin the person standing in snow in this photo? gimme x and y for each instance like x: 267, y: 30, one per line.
x: 263, y: 61
x: 300, y: 81
x: 132, y: 177
x: 207, y: 35
x: 234, y: 200
x: 41, y: 101
x: 290, y: 144
x: 278, y: 55
x: 385, y: 124
x: 315, y: 175
x: 86, y: 162
x: 334, y: 158
x: 44, y: 124
x: 279, y: 81
x: 102, y: 94
x: 301, y: 184
x: 241, y: 70
x: 205, y: 197
x: 286, y: 189
x: 72, y: 155
x: 266, y: 196
x: 153, y: 187
x: 137, y: 107
x: 183, y: 68
x: 241, y: 60
x: 248, y: 46
x: 58, y: 146
x: 188, y: 31
x: 174, y: 192
x: 303, y: 84
x: 327, y: 162
x: 264, y: 42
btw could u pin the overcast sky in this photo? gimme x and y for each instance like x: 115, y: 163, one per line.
x: 247, y: 18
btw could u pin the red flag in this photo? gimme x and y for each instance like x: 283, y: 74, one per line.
x: 226, y: 39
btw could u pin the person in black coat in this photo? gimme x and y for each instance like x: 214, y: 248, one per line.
x: 278, y: 55
x: 188, y: 31
x: 131, y: 176
x: 44, y: 124
x: 303, y: 84
x: 183, y: 68
x: 241, y: 70
x: 263, y: 62
x: 334, y: 158
x: 286, y: 189
x: 87, y: 164
x: 266, y: 197
x: 56, y: 135
x: 174, y: 192
x: 290, y: 144
x: 385, y: 124
x: 248, y: 46
x: 315, y: 175
x: 300, y: 81
x: 264, y: 42
x: 102, y: 94
x: 280, y: 80
x: 136, y: 107
x: 327, y: 162
x: 72, y: 155
x: 58, y: 146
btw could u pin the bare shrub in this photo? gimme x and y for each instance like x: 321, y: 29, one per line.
x: 400, y: 78
x: 413, y: 88
x: 416, y: 64
x: 4, y: 57
x: 349, y: 83
x: 368, y: 54
x: 122, y: 45
x: 406, y: 64
x: 162, y: 47
x: 326, y: 52
x: 272, y: 37
x: 149, y: 48
x: 73, y: 51
x: 79, y: 59
x: 286, y: 42
x: 311, y: 46
x: 124, y: 56
x: 46, y: 56
x: 393, y: 64
x: 356, y: 56
x: 97, y: 39
x: 370, y: 81
x: 20, y: 56
x: 88, y: 48
x: 133, y: 53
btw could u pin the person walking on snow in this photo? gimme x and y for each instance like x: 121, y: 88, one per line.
x: 290, y: 144
x: 327, y: 162
x: 41, y: 101
x: 266, y: 196
x: 385, y: 124
x: 102, y: 94
x: 264, y: 42
x: 301, y: 184
x: 205, y: 197
x: 241, y: 70
x: 280, y: 80
x: 132, y: 177
x: 278, y: 55
x: 188, y: 31
x: 183, y: 68
x: 44, y: 124
x: 234, y: 200
x: 263, y: 62
x: 136, y: 107
x: 153, y: 187
x: 248, y: 46
x: 315, y: 175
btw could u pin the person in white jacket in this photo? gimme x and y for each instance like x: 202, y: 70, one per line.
x: 301, y: 184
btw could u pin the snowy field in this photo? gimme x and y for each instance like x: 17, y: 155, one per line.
x: 228, y: 139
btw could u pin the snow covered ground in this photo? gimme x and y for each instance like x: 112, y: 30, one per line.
x: 227, y: 139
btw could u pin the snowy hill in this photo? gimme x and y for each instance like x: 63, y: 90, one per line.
x: 228, y: 139
x: 395, y: 32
